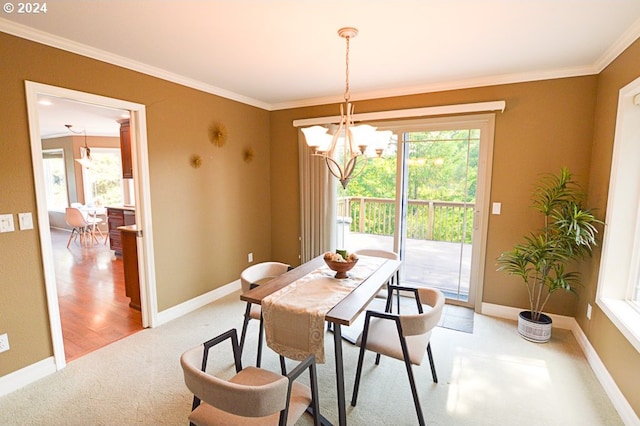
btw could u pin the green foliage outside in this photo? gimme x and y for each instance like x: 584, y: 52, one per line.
x: 106, y: 178
x: 442, y: 166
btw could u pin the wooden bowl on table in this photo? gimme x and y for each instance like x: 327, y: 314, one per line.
x: 341, y: 268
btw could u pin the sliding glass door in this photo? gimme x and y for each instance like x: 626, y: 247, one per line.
x: 425, y: 199
x: 438, y: 204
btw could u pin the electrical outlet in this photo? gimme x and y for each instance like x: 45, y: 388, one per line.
x: 4, y: 342
x: 588, y: 310
x: 250, y: 257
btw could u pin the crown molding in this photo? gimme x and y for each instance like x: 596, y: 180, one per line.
x: 42, y: 37
x: 619, y: 46
x: 613, y: 52
x: 441, y: 87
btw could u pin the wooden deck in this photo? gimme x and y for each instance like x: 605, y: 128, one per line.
x: 429, y: 263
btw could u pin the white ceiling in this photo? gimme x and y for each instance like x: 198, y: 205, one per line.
x: 276, y: 54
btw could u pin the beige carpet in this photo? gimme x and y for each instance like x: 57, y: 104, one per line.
x: 489, y: 377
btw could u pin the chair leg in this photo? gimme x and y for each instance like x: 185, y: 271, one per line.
x: 259, y: 359
x: 356, y: 384
x: 243, y: 334
x: 283, y: 366
x: 71, y: 236
x: 397, y: 280
x: 363, y: 346
x: 433, y: 366
x: 414, y: 390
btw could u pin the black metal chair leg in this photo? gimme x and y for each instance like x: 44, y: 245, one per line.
x: 247, y: 317
x: 433, y: 366
x: 363, y: 347
x: 414, y: 390
x: 259, y: 359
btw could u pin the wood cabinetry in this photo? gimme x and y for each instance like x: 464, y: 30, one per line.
x: 130, y: 264
x: 125, y: 150
x: 117, y: 217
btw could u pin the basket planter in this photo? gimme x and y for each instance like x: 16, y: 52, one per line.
x: 535, y: 331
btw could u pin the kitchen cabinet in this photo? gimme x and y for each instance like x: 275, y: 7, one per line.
x: 125, y: 150
x: 116, y: 217
x: 130, y: 264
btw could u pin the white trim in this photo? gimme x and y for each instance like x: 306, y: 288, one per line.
x: 622, y: 406
x: 143, y: 211
x: 511, y: 313
x: 27, y: 375
x: 408, y: 113
x: 619, y: 46
x: 197, y: 302
x: 42, y: 37
x: 618, y: 272
x: 36, y: 371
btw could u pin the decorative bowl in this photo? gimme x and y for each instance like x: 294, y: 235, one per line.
x: 341, y: 268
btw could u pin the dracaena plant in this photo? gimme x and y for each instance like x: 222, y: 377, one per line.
x: 568, y: 235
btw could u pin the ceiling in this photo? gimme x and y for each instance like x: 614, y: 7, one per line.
x: 277, y: 54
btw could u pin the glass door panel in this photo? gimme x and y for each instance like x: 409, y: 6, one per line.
x: 367, y: 208
x: 438, y: 201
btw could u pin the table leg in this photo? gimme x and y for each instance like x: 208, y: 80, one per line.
x: 337, y: 340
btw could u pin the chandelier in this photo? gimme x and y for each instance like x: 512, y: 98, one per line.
x: 344, y: 145
x: 85, y: 151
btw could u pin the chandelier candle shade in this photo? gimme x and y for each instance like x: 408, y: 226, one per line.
x: 85, y: 151
x: 342, y: 147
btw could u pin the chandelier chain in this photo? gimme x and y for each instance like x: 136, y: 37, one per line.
x: 347, y: 93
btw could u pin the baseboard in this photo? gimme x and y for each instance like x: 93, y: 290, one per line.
x: 510, y: 313
x: 29, y: 374
x: 24, y: 376
x: 197, y: 302
x: 622, y: 406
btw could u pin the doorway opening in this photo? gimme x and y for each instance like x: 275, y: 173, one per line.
x: 88, y: 306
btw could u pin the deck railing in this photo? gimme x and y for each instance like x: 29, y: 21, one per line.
x: 426, y: 220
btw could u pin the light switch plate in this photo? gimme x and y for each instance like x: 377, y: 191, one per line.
x: 6, y: 223
x: 496, y: 208
x: 25, y: 220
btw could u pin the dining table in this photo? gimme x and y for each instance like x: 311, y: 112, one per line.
x: 343, y: 313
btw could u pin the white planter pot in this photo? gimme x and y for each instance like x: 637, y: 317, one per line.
x: 535, y: 331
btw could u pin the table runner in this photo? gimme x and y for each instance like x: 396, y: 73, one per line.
x: 294, y: 315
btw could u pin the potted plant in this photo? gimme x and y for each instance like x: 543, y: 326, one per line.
x: 543, y: 260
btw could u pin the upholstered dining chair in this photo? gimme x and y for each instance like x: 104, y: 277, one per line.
x: 253, y: 396
x: 252, y: 276
x: 385, y: 293
x: 404, y: 337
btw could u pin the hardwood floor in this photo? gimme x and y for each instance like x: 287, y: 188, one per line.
x: 93, y: 307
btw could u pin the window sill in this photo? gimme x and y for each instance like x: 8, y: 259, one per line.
x: 624, y: 317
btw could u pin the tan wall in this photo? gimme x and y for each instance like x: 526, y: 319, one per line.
x: 546, y: 125
x: 203, y: 234
x: 620, y: 357
x: 205, y: 220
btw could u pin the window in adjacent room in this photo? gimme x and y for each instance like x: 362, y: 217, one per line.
x: 103, y: 179
x: 619, y: 280
x: 55, y: 178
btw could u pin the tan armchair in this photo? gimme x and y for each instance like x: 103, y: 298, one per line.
x: 404, y: 337
x: 253, y: 396
x: 253, y: 276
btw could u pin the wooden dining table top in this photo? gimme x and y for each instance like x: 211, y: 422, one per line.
x: 347, y: 310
